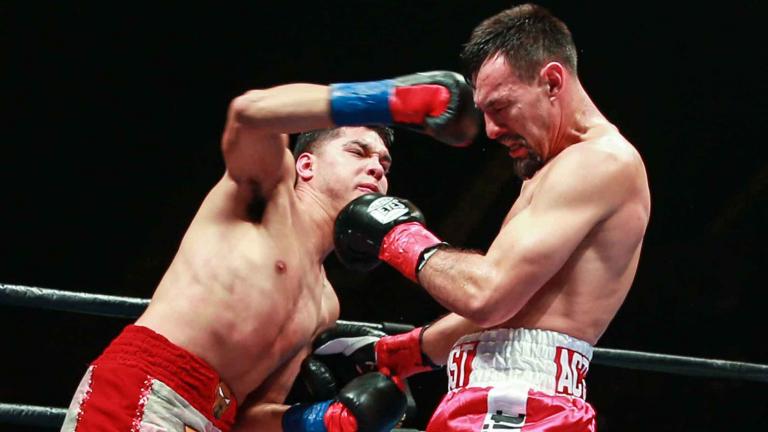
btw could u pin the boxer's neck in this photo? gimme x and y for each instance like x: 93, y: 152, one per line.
x: 579, y: 118
x: 320, y: 217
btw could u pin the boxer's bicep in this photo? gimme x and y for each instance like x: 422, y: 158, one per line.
x: 535, y: 244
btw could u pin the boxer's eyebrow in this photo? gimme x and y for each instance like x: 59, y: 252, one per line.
x: 495, y: 103
x: 385, y: 157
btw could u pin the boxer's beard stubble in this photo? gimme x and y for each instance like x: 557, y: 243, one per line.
x: 526, y: 167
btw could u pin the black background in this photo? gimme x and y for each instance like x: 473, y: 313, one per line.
x: 110, y: 140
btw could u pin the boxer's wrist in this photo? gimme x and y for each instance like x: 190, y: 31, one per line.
x: 402, y: 354
x: 425, y: 255
x: 326, y: 416
x: 361, y: 103
x: 426, y: 360
x: 306, y: 417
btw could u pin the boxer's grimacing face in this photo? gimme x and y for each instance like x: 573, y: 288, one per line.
x: 352, y: 164
x: 516, y: 114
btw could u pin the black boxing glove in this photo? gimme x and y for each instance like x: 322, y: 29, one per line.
x: 318, y: 379
x: 376, y: 227
x: 370, y: 403
x: 347, y: 349
x: 438, y: 103
x: 366, y: 349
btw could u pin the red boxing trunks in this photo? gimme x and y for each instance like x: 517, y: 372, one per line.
x: 516, y: 379
x: 142, y: 382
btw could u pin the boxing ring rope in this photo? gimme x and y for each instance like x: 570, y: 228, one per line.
x: 28, y: 415
x: 129, y: 307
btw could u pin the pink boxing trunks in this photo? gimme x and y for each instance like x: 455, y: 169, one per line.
x: 143, y: 382
x: 516, y: 379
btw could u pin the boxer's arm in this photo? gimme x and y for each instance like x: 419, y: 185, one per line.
x: 439, y: 337
x: 255, y: 144
x: 263, y: 409
x: 573, y: 197
x: 261, y: 417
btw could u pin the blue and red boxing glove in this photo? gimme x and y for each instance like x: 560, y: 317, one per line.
x: 438, y: 103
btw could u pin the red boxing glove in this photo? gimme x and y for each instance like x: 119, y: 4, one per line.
x: 413, y: 104
x: 405, y: 248
x: 402, y: 355
x: 338, y: 418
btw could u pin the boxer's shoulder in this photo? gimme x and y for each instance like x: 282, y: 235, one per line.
x: 604, y: 158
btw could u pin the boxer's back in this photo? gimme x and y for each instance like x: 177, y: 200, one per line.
x: 584, y: 295
x: 244, y: 294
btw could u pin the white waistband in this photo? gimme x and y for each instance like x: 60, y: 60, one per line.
x: 542, y: 360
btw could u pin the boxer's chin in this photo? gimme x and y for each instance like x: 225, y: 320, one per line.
x: 526, y: 167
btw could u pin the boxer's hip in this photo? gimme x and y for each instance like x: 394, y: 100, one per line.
x: 513, y: 407
x: 144, y: 381
x: 518, y: 379
x: 546, y: 361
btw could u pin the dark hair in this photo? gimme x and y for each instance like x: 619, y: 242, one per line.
x: 311, y: 140
x: 528, y: 36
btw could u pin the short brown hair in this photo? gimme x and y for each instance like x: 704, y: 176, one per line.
x: 528, y: 36
x: 309, y: 141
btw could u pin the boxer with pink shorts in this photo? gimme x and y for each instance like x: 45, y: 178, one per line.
x: 516, y: 379
x: 563, y: 259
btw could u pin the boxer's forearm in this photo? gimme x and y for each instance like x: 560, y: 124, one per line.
x: 287, y: 108
x: 439, y: 338
x: 265, y: 417
x: 465, y: 283
x: 263, y: 409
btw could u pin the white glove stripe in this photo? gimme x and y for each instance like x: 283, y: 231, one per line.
x: 346, y: 345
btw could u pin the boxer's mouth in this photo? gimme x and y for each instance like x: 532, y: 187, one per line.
x: 368, y: 188
x: 518, y: 151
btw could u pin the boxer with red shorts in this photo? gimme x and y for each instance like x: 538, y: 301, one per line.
x: 140, y: 379
x: 562, y: 262
x: 235, y: 314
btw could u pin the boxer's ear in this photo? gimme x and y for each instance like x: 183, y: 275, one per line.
x: 305, y: 166
x: 552, y: 76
